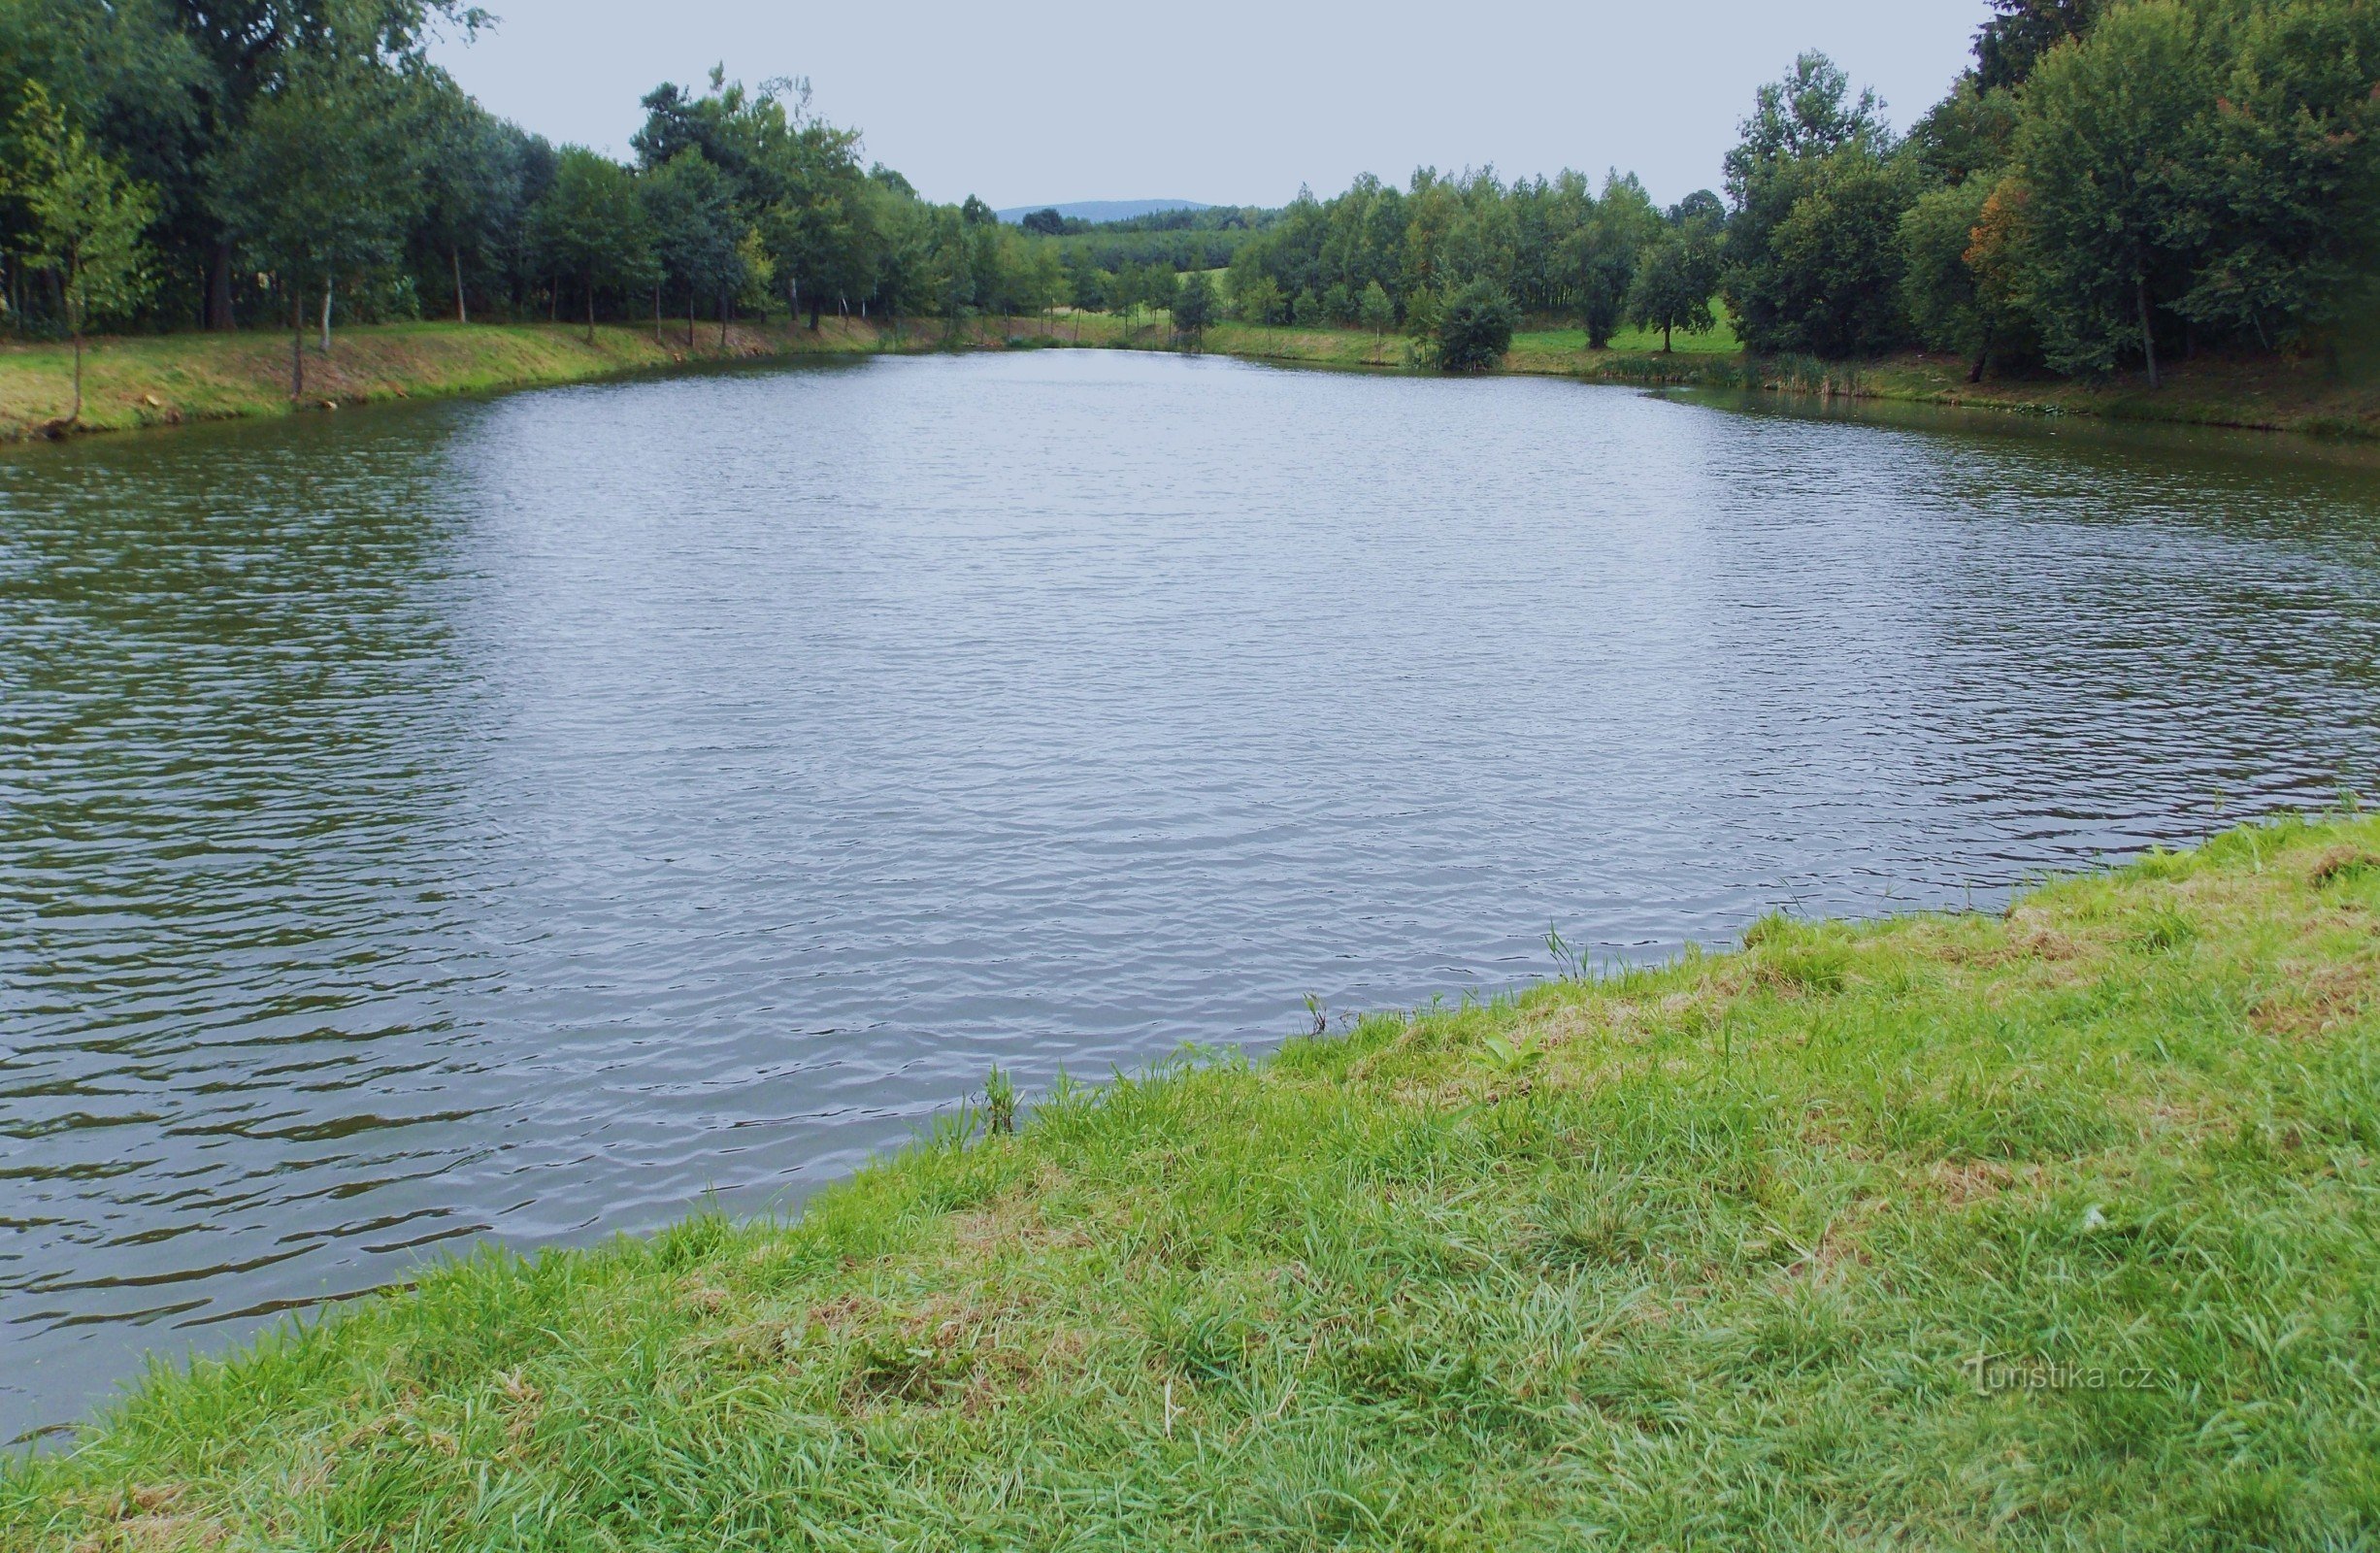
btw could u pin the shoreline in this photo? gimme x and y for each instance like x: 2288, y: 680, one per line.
x: 136, y: 383
x: 1969, y: 1188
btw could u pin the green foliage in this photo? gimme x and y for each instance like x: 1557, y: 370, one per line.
x: 1949, y: 307
x: 1260, y: 303
x: 87, y: 221
x: 322, y: 182
x: 2019, y: 32
x: 2134, y: 175
x: 1675, y: 279
x: 2287, y: 180
x: 1194, y: 305
x: 1967, y: 134
x: 1600, y: 255
x: 2108, y: 234
x: 1475, y: 329
x: 1423, y: 314
x: 691, y: 210
x: 591, y: 226
x: 1814, y: 258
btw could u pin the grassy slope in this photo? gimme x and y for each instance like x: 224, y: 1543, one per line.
x: 149, y: 380
x: 158, y: 380
x: 2269, y: 395
x: 1694, y: 1255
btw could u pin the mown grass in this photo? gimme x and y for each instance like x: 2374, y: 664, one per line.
x: 166, y: 380
x: 140, y: 380
x: 1784, y: 1249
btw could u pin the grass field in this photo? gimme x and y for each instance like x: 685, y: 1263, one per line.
x: 2044, y: 1229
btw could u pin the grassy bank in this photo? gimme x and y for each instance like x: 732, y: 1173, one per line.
x: 167, y: 379
x: 2044, y: 1229
x: 2263, y: 394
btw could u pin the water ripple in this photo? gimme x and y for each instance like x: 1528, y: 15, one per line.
x: 517, y: 819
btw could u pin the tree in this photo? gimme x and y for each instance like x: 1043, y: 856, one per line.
x: 1817, y: 190
x: 1599, y: 259
x: 470, y: 181
x: 591, y: 226
x: 1041, y: 280
x: 690, y: 207
x: 1831, y: 283
x: 1047, y: 223
x: 1808, y: 113
x: 1195, y: 306
x: 123, y: 73
x: 1375, y: 310
x: 2103, y: 159
x: 1423, y: 313
x: 1475, y: 330
x: 1942, y: 281
x: 1674, y: 281
x: 1259, y: 299
x: 87, y: 219
x: 2285, y: 171
x: 320, y: 182
x: 258, y: 52
x: 2019, y: 32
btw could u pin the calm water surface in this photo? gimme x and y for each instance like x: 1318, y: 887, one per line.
x: 517, y: 819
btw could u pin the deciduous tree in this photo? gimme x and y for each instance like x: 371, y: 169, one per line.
x: 87, y: 219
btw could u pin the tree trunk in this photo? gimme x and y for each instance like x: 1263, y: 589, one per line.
x: 297, y: 345
x: 2148, y: 336
x: 1664, y: 337
x: 690, y: 300
x: 462, y: 313
x: 722, y: 322
x: 656, y: 313
x: 813, y: 313
x: 76, y: 413
x: 590, y: 310
x: 1983, y: 356
x: 326, y: 316
x: 218, y: 286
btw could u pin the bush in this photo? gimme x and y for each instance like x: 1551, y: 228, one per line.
x: 1475, y: 329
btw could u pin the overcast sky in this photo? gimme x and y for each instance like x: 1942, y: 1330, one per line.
x: 1223, y: 101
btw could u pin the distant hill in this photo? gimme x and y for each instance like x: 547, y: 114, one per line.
x: 1103, y: 209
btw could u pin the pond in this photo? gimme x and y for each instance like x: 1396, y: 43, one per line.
x: 521, y: 820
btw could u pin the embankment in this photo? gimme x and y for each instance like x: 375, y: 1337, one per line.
x: 132, y: 382
x: 149, y: 380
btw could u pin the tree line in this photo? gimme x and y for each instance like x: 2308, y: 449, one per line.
x: 2110, y: 183
x: 234, y: 164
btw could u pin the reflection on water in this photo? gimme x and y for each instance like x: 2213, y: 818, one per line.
x: 520, y: 818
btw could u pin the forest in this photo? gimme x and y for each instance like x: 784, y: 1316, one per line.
x: 2109, y: 186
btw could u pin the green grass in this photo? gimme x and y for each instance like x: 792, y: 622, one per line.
x: 140, y: 380
x: 149, y: 380
x: 2050, y: 1229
